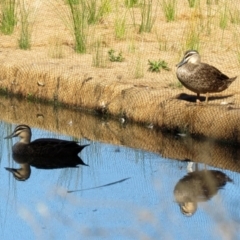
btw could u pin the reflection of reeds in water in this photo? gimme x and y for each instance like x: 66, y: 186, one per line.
x: 129, y: 204
x: 209, y: 152
x: 8, y: 128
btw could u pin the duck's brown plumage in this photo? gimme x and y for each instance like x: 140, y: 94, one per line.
x: 201, y: 77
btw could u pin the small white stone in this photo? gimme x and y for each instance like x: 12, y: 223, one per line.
x: 224, y: 103
x: 122, y: 120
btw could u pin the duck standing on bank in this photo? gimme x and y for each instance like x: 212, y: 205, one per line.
x: 199, y: 77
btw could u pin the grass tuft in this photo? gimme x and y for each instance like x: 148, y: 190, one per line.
x: 120, y: 27
x: 156, y: 66
x: 223, y: 18
x: 175, y: 85
x: 27, y: 13
x: 131, y: 3
x: 210, y: 2
x: 96, y: 11
x: 8, y: 16
x: 192, y: 40
x: 147, y: 16
x: 78, y: 18
x: 192, y: 3
x: 234, y: 16
x: 99, y: 56
x: 169, y: 9
x: 115, y: 57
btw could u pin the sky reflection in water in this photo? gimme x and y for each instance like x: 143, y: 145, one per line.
x: 132, y: 198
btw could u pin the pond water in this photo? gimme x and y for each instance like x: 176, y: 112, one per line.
x: 124, y: 193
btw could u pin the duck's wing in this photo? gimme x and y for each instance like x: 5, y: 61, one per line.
x: 211, y: 79
x: 210, y: 72
x: 54, y: 147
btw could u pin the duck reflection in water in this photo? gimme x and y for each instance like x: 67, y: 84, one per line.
x: 198, y: 186
x: 44, y: 153
x: 25, y: 162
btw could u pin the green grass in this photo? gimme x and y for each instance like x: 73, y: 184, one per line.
x: 147, y: 16
x: 115, y: 57
x: 234, y: 16
x: 193, y: 39
x: 209, y: 20
x: 131, y: 3
x: 96, y: 11
x: 192, y: 3
x: 99, y: 58
x: 78, y: 19
x: 26, y: 24
x: 223, y: 18
x: 132, y: 46
x: 132, y: 14
x: 8, y: 18
x: 25, y: 39
x: 82, y: 14
x: 156, y: 66
x: 169, y: 9
x: 210, y: 2
x: 93, y: 13
x: 175, y: 85
x: 120, y: 27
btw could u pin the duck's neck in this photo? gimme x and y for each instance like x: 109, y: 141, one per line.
x: 195, y: 59
x: 25, y: 140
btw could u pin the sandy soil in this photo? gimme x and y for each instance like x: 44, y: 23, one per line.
x: 115, y: 88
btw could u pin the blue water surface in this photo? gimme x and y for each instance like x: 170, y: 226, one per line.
x: 124, y: 193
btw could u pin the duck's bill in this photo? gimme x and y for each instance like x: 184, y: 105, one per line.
x: 181, y: 63
x: 17, y: 175
x: 10, y: 136
x: 12, y: 170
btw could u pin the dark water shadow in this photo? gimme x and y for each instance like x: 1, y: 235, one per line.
x: 219, y: 154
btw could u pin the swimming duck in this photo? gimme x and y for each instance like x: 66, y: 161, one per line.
x: 201, y: 77
x: 49, y: 147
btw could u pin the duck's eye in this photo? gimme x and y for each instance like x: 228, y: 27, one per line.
x: 189, y: 55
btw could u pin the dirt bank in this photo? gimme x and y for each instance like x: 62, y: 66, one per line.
x: 154, y: 99
x: 88, y: 126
